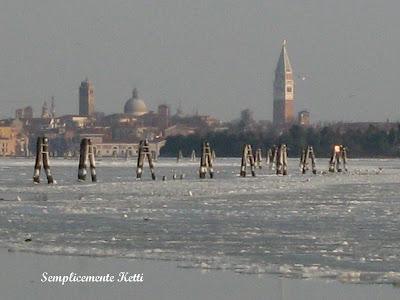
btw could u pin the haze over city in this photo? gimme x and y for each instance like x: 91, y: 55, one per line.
x: 217, y: 57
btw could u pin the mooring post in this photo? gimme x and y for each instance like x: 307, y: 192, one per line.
x: 144, y: 152
x: 149, y: 159
x: 307, y: 155
x: 247, y: 159
x: 344, y: 157
x: 281, y: 161
x: 258, y: 158
x: 38, y: 161
x: 92, y: 161
x: 210, y: 160
x: 302, y: 164
x: 206, y: 161
x: 46, y: 163
x: 243, y: 165
x: 332, y: 161
x: 285, y: 161
x: 338, y: 157
x: 193, y: 156
x: 268, y: 157
x: 339, y: 152
x: 214, y: 155
x: 140, y: 160
x: 179, y: 156
x: 312, y: 157
x: 83, y: 157
x: 274, y: 159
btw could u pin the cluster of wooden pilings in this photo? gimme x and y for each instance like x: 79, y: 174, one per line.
x: 87, y: 155
x: 206, y: 161
x: 42, y: 157
x: 338, y: 161
x: 276, y: 159
x: 144, y: 152
x: 307, y: 155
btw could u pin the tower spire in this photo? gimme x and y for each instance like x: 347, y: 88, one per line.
x: 53, y: 108
x: 283, y: 90
x: 135, y: 93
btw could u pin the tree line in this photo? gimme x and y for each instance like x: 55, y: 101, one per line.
x: 372, y: 142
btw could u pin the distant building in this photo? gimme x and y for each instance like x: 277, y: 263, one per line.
x: 304, y: 118
x: 125, y: 149
x: 8, y: 141
x: 163, y: 116
x: 283, y: 91
x: 45, y: 111
x: 86, y: 98
x: 28, y: 112
x: 24, y: 113
x: 135, y: 106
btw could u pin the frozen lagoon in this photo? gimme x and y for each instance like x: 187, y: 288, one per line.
x: 336, y: 226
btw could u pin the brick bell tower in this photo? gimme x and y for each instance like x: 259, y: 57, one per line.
x: 283, y: 91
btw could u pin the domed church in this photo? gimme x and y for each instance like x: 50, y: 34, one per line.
x: 135, y: 106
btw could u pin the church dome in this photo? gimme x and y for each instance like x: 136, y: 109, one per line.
x: 135, y: 106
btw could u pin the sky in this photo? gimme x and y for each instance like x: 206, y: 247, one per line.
x: 216, y: 57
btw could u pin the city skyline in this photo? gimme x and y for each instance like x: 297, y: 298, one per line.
x: 209, y: 56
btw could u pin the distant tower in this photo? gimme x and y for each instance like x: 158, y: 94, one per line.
x: 163, y: 116
x: 53, y: 108
x: 28, y: 112
x: 86, y: 98
x: 45, y: 111
x: 304, y: 118
x: 283, y: 91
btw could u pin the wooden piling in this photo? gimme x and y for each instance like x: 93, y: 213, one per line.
x: 302, y: 164
x: 274, y: 157
x: 213, y: 155
x: 86, y: 155
x: 83, y: 158
x: 258, y: 158
x: 312, y: 157
x: 206, y: 161
x: 144, y: 152
x: 339, y: 155
x: 179, y: 156
x: 344, y: 157
x: 46, y: 163
x: 193, y: 156
x: 38, y: 161
x: 308, y: 155
x: 247, y: 159
x: 268, y: 157
x: 281, y: 161
x: 92, y: 161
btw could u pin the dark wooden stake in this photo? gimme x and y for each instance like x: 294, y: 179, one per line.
x: 38, y: 161
x: 206, y: 161
x: 247, y: 159
x: 144, y: 152
x: 46, y: 163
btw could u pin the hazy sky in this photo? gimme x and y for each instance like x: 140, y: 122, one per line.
x: 216, y: 56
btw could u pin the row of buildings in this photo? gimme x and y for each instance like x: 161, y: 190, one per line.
x: 118, y: 134
x: 114, y: 135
